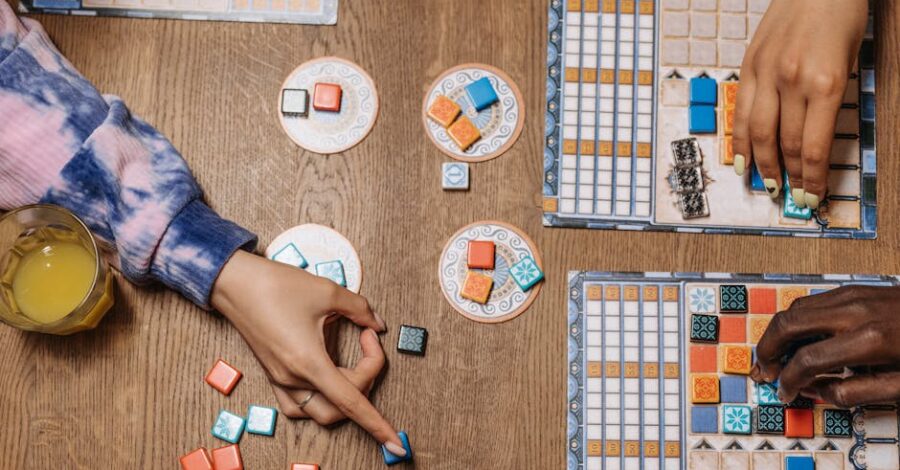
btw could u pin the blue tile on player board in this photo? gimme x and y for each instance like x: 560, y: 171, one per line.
x: 391, y: 459
x: 333, y: 270
x: 756, y: 181
x: 702, y: 119
x: 482, y: 93
x: 526, y: 273
x: 799, y: 462
x: 289, y: 254
x: 261, y: 420
x: 704, y: 419
x: 703, y: 91
x: 733, y: 389
x: 229, y: 427
x: 737, y: 419
x: 455, y: 176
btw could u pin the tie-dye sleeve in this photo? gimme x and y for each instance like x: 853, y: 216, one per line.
x: 61, y: 142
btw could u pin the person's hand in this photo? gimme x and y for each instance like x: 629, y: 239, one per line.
x: 852, y: 327
x: 281, y: 312
x: 793, y: 80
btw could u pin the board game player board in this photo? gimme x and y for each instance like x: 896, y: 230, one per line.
x: 270, y: 11
x: 633, y: 357
x: 618, y: 94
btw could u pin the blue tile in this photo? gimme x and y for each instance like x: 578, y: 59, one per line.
x: 799, y: 462
x: 261, y: 420
x: 526, y: 273
x: 333, y: 270
x: 58, y: 4
x: 818, y: 291
x: 229, y: 427
x: 737, y: 419
x: 391, y: 459
x: 733, y: 389
x: 482, y: 93
x: 756, y: 181
x: 704, y: 419
x: 703, y: 91
x: 289, y: 254
x: 702, y: 119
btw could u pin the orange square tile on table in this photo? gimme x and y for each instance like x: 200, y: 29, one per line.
x: 732, y: 329
x: 198, y: 459
x: 327, y: 97
x: 703, y: 358
x: 704, y: 388
x: 477, y: 287
x: 223, y: 377
x: 737, y: 359
x: 464, y: 133
x: 443, y: 110
x: 787, y: 296
x: 758, y: 325
x: 228, y: 458
x: 762, y: 300
x: 798, y: 422
x: 480, y: 254
x: 305, y: 466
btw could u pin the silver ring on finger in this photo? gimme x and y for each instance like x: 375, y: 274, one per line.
x: 306, y: 400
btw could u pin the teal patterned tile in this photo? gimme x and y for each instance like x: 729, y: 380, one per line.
x: 289, y: 254
x: 733, y: 298
x: 526, y: 273
x: 767, y: 394
x: 333, y: 270
x: 704, y: 328
x: 791, y: 209
x: 770, y: 419
x: 229, y: 427
x: 413, y: 340
x: 837, y: 423
x: 736, y: 419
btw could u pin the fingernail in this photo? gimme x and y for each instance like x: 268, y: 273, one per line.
x: 740, y: 164
x: 812, y: 201
x: 754, y: 373
x: 380, y: 321
x: 395, y: 449
x: 772, y: 187
x: 799, y: 197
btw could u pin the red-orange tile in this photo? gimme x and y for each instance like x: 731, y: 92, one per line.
x: 327, y: 97
x: 228, y: 458
x: 798, y: 422
x: 305, y: 466
x: 481, y: 254
x: 703, y: 358
x: 762, y: 300
x: 223, y: 377
x: 732, y: 329
x: 196, y: 460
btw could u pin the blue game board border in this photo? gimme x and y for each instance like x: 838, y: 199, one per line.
x: 553, y: 138
x: 576, y: 362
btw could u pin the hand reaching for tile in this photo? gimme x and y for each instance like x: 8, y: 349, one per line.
x: 281, y: 312
x: 851, y: 327
x: 792, y: 83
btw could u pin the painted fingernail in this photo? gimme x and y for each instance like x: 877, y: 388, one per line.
x: 772, y: 187
x: 740, y: 164
x: 395, y: 449
x: 380, y: 321
x: 812, y: 201
x: 799, y: 197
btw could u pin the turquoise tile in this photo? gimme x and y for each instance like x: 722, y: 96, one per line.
x: 767, y: 394
x: 790, y: 207
x: 261, y: 420
x: 333, y: 270
x: 289, y: 254
x: 526, y: 273
x: 229, y: 427
x: 736, y: 419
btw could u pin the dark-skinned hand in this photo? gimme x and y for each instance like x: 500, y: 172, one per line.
x: 855, y: 328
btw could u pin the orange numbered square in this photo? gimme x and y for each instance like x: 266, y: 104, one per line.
x: 477, y: 287
x: 327, y: 97
x: 651, y: 449
x: 228, y: 458
x: 758, y: 325
x: 481, y: 254
x: 670, y: 370
x: 651, y: 371
x: 464, y: 133
x: 762, y: 300
x: 737, y: 360
x: 443, y: 111
x: 704, y: 388
x: 196, y: 460
x: 673, y: 449
x: 223, y: 377
x: 732, y: 329
x: 704, y: 358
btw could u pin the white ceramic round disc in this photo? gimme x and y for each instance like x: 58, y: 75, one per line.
x: 500, y: 124
x: 507, y: 300
x: 329, y: 132
x: 318, y: 243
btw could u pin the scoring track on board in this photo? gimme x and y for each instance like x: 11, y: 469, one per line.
x: 500, y: 124
x: 318, y: 243
x: 329, y: 132
x: 507, y: 300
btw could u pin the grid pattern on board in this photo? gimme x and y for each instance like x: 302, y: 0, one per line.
x: 619, y: 325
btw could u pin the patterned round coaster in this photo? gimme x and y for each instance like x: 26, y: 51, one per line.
x: 329, y: 132
x: 317, y: 244
x: 500, y: 124
x: 507, y: 300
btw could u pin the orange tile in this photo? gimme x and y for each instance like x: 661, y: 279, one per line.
x: 223, y: 377
x: 732, y: 329
x: 327, y: 97
x: 762, y: 300
x: 196, y: 460
x: 704, y: 388
x: 305, y: 466
x: 481, y: 254
x: 787, y: 296
x: 737, y: 360
x: 464, y: 133
x: 728, y: 121
x: 228, y: 458
x: 477, y: 287
x: 727, y: 150
x: 704, y: 358
x: 758, y: 325
x: 443, y: 111
x: 729, y: 94
x: 798, y: 422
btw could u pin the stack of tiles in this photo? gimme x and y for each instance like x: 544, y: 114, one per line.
x: 687, y: 178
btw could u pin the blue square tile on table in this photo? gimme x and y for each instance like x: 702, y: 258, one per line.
x: 799, y: 462
x: 290, y: 254
x: 767, y: 394
x: 704, y: 91
x: 482, y: 93
x: 838, y: 423
x: 261, y: 420
x: 333, y: 270
x: 58, y: 4
x: 526, y: 273
x: 733, y: 389
x: 702, y: 119
x: 704, y: 419
x: 455, y: 176
x: 756, y: 181
x: 229, y: 427
x: 737, y: 419
x: 391, y: 459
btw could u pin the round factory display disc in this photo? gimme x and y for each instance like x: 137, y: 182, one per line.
x: 507, y: 300
x: 500, y: 124
x: 328, y: 132
x: 317, y: 244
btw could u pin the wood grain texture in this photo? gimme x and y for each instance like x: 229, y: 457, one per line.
x: 130, y: 394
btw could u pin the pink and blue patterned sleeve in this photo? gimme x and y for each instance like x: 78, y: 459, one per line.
x: 62, y: 142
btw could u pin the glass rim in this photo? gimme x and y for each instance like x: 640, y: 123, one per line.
x: 94, y: 247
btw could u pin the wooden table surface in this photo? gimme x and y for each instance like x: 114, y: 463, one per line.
x: 130, y: 394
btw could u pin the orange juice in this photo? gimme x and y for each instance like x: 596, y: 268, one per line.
x: 52, y: 280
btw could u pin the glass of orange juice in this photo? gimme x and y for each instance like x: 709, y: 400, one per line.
x: 52, y: 277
